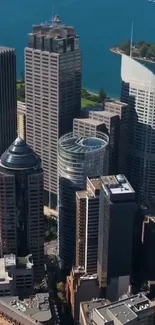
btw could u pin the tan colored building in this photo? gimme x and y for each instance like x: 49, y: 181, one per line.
x: 53, y: 92
x: 87, y: 219
x: 112, y: 121
x: 80, y: 287
x: 87, y: 127
x: 21, y: 120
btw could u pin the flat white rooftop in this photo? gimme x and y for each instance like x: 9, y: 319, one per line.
x: 4, y: 278
x: 117, y: 184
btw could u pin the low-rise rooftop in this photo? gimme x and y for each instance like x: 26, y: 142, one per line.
x: 125, y: 310
x: 93, y: 185
x: 89, y: 121
x: 102, y: 113
x: 115, y: 102
x: 36, y: 307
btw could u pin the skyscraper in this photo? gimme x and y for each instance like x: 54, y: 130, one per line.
x: 87, y: 222
x: 21, y: 204
x: 118, y: 210
x: 79, y: 157
x: 8, y: 103
x: 53, y: 91
x: 138, y: 90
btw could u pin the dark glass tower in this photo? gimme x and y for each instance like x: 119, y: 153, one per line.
x: 21, y: 204
x: 8, y: 102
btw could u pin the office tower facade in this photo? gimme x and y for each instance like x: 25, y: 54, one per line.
x: 21, y: 204
x: 78, y: 157
x: 116, y: 219
x: 87, y: 222
x: 53, y: 91
x: 21, y: 120
x: 87, y: 127
x: 138, y: 90
x: 111, y: 127
x: 80, y: 287
x: 8, y: 102
x: 148, y: 242
x: 121, y: 109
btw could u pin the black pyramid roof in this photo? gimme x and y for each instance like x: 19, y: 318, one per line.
x: 19, y: 156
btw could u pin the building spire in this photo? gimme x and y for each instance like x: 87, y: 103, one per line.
x: 131, y: 40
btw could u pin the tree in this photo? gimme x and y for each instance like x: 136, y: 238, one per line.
x: 62, y: 297
x: 139, y: 44
x: 94, y: 98
x: 85, y: 94
x: 60, y: 287
x: 51, y: 234
x: 102, y: 96
x: 125, y: 47
x: 143, y: 51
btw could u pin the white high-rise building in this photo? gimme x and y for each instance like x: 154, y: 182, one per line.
x: 138, y: 89
x: 53, y: 64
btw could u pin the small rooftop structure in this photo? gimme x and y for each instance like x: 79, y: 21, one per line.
x: 4, y: 277
x: 9, y: 260
x: 5, y: 49
x: 93, y: 188
x: 53, y: 28
x: 71, y: 144
x: 117, y: 187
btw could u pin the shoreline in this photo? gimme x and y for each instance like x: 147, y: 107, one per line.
x: 118, y: 52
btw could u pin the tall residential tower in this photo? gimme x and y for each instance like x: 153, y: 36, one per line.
x: 53, y: 91
x: 8, y: 103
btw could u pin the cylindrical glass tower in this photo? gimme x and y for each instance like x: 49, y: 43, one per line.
x: 78, y: 158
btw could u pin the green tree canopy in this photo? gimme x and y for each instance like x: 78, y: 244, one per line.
x: 60, y: 286
x: 125, y: 47
x: 51, y: 234
x: 85, y: 94
x: 141, y: 43
x: 150, y: 53
x: 143, y: 51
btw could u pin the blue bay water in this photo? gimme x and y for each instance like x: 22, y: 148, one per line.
x: 100, y: 24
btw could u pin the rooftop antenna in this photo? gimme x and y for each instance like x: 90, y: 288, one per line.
x: 52, y: 10
x: 131, y: 40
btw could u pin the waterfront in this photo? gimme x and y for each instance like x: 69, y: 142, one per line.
x: 101, y: 24
x: 116, y: 50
